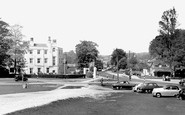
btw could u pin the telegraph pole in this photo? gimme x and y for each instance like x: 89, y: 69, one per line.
x: 129, y: 65
x: 117, y: 68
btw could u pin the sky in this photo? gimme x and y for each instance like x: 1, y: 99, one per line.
x: 125, y: 24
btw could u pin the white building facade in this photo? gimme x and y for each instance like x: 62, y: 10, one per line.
x: 44, y: 58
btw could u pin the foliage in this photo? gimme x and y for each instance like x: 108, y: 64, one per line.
x: 145, y: 56
x: 132, y: 61
x: 99, y: 64
x: 164, y: 45
x: 119, y: 57
x: 86, y: 52
x: 89, y: 74
x: 4, y: 42
x: 18, y: 47
x: 122, y: 63
x: 70, y: 57
x: 141, y: 66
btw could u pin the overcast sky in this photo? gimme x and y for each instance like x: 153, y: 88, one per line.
x: 126, y: 24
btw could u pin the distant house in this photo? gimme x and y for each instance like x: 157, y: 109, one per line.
x: 159, y: 68
x: 44, y: 58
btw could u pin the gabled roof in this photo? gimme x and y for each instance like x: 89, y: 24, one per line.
x: 164, y: 69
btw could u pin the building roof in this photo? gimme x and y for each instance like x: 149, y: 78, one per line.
x: 162, y: 69
x: 40, y: 45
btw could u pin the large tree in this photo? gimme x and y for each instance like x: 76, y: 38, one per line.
x: 18, y: 48
x: 119, y: 58
x: 162, y: 47
x: 86, y: 52
x: 70, y: 57
x: 4, y: 42
x: 132, y: 61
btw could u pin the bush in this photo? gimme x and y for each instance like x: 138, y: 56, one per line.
x: 89, y: 74
x: 4, y: 72
x: 55, y: 76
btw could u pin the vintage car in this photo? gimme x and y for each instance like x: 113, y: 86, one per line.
x: 123, y: 85
x: 168, y: 90
x: 147, y: 87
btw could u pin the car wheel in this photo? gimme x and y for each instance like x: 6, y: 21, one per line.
x: 149, y: 91
x: 158, y: 95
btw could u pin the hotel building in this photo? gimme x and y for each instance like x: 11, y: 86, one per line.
x: 44, y: 58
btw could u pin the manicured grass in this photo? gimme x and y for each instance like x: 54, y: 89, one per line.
x: 10, y: 89
x: 114, y: 104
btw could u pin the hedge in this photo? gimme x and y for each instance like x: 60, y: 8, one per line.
x: 56, y: 76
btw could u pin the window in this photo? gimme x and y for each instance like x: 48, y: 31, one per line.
x: 38, y: 60
x: 38, y: 51
x: 54, y: 60
x: 31, y: 51
x: 45, y: 60
x: 53, y: 49
x: 31, y: 60
x: 47, y: 70
x: 175, y: 88
x: 39, y: 70
x: 45, y: 51
x: 168, y: 88
x: 31, y: 70
x: 150, y: 84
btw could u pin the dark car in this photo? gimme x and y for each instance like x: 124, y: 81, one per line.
x: 123, y: 84
x: 147, y: 87
x: 181, y: 94
x: 181, y: 82
x: 19, y: 77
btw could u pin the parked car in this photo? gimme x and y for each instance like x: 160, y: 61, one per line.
x: 168, y: 90
x: 136, y: 86
x: 147, y: 87
x: 181, y: 82
x: 181, y: 94
x: 19, y: 77
x: 123, y: 84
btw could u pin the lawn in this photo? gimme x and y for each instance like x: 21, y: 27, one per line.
x: 115, y: 104
x: 10, y: 89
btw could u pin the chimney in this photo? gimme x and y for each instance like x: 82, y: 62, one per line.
x: 49, y: 39
x: 31, y: 41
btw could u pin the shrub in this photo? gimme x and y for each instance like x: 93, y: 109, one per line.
x: 55, y: 76
x: 89, y: 74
